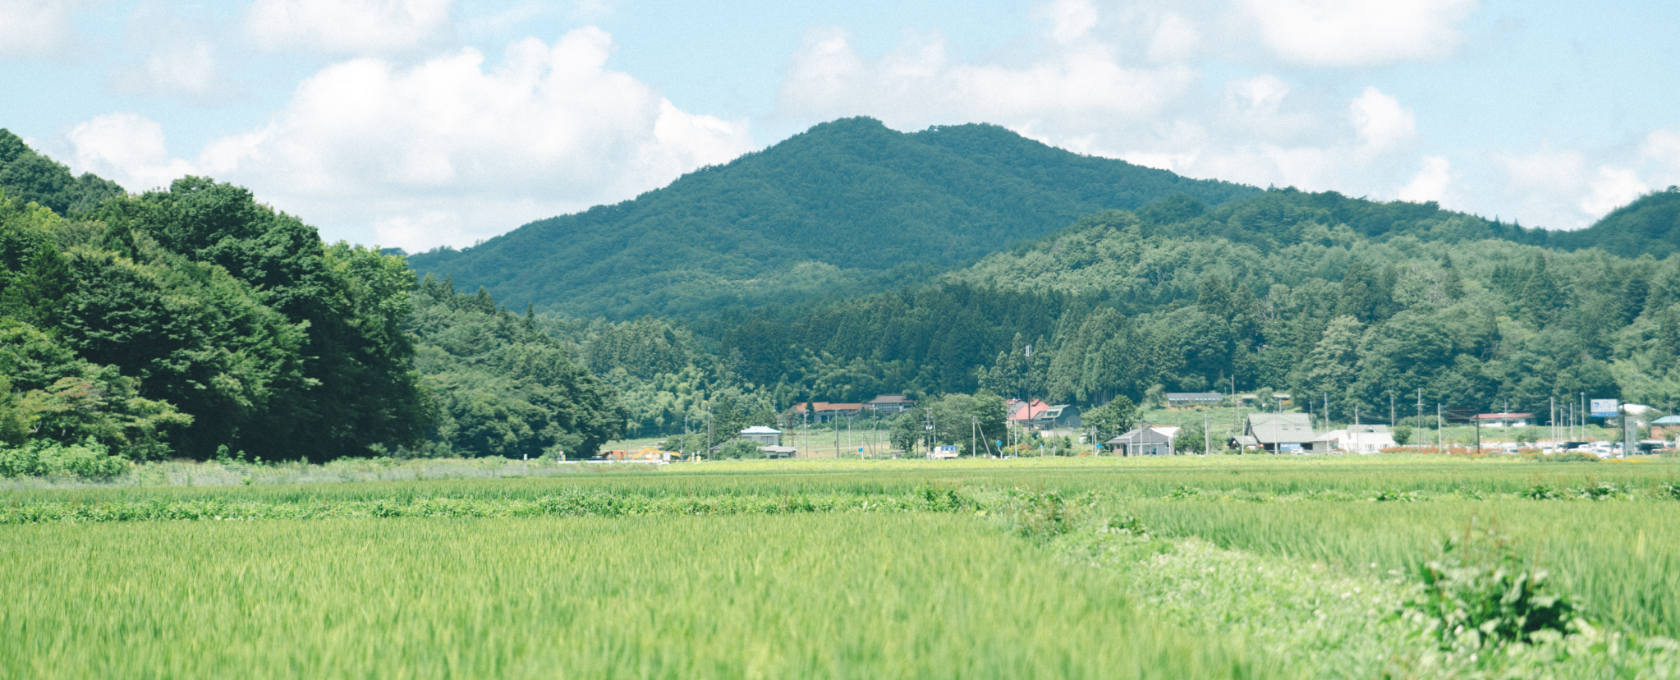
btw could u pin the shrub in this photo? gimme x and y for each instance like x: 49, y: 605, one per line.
x: 739, y: 448
x: 1478, y: 594
x: 1541, y: 492
x: 88, y: 459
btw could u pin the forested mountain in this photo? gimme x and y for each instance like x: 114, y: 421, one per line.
x: 847, y: 207
x: 30, y: 177
x: 1650, y: 225
x: 1316, y: 294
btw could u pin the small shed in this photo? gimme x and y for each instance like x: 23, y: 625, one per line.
x: 762, y: 436
x: 1143, y: 441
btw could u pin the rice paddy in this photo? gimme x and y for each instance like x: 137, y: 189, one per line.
x: 1178, y: 567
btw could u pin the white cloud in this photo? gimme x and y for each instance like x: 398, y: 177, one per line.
x: 1076, y: 86
x: 187, y: 68
x: 1175, y: 39
x: 452, y: 150
x: 1431, y: 181
x: 1612, y: 189
x: 1359, y: 32
x: 346, y: 26
x: 1381, y: 121
x: 1071, y: 20
x: 38, y: 28
x: 126, y: 148
x: 1664, y: 146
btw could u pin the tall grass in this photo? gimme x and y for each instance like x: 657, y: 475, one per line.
x: 873, y: 596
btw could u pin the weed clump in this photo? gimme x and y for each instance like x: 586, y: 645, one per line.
x: 1040, y: 515
x: 1478, y: 594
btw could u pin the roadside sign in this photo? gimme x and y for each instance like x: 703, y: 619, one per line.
x: 1604, y: 408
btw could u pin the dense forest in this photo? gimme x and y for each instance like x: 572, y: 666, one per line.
x: 1316, y: 294
x: 848, y: 207
x: 195, y: 321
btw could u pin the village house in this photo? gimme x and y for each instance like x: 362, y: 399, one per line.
x: 1058, y: 417
x: 1022, y: 413
x: 1362, y: 439
x: 1144, y: 441
x: 890, y: 403
x: 822, y: 412
x: 1281, y: 433
x: 762, y: 436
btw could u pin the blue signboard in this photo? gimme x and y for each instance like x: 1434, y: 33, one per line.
x: 1604, y: 408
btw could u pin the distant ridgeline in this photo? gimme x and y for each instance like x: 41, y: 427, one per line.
x: 1315, y: 294
x: 847, y: 207
x: 30, y: 177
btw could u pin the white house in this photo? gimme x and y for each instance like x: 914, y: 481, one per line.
x: 762, y: 436
x: 1362, y: 439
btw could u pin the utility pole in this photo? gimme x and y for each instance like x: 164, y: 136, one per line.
x: 1391, y: 409
x: 1205, y: 444
x: 1440, y: 432
x: 1420, y: 407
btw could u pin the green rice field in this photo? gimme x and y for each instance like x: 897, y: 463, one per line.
x: 1223, y: 566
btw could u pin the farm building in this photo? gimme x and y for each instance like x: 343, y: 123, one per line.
x: 1665, y: 427
x: 1281, y: 433
x: 1194, y: 398
x: 1360, y: 438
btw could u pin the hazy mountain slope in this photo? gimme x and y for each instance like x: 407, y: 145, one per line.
x: 849, y: 206
x: 1648, y: 225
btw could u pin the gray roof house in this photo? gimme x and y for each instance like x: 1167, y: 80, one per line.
x: 1281, y: 432
x: 1143, y: 441
x: 762, y: 436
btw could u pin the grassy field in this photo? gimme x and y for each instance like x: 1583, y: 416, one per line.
x: 735, y: 597
x: 1223, y: 566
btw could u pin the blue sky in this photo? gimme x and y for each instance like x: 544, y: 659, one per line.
x: 419, y: 123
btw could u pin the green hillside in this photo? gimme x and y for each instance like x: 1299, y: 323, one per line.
x: 1343, y: 299
x: 31, y: 177
x: 1649, y: 225
x: 847, y: 207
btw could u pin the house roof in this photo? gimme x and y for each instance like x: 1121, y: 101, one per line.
x: 890, y: 399
x: 1368, y: 429
x: 1667, y: 420
x: 1504, y: 416
x: 760, y: 429
x: 1020, y: 410
x: 1274, y: 428
x: 1053, y: 412
x: 1146, y: 435
x: 1194, y: 396
x: 823, y: 406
